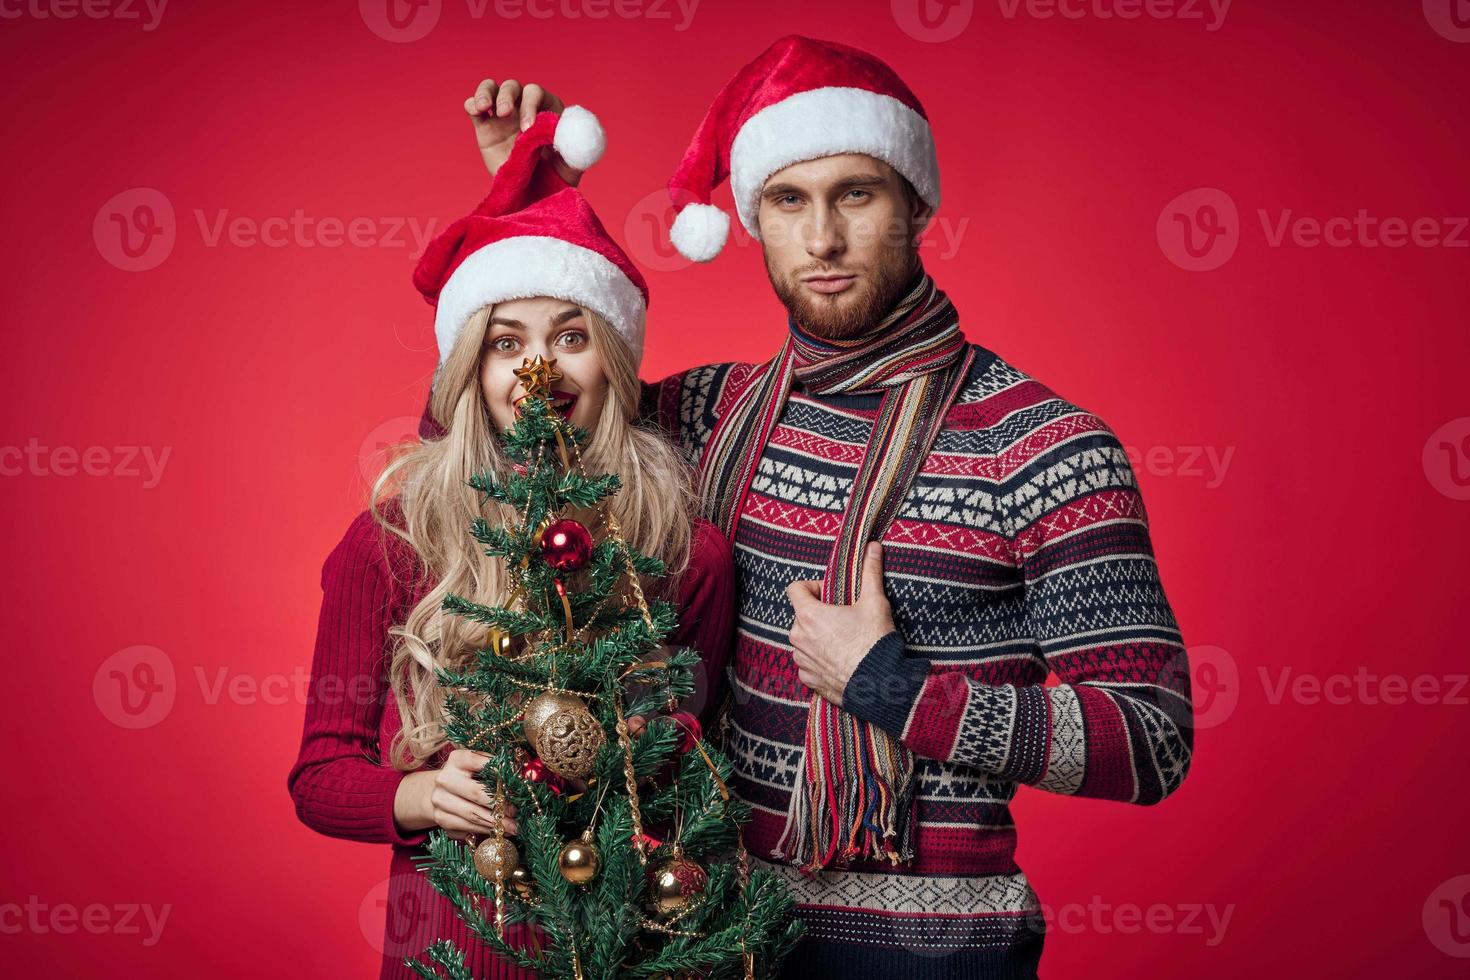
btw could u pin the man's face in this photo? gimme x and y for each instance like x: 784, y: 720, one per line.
x: 838, y: 234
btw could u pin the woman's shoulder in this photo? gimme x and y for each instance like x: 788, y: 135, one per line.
x: 710, y: 554
x: 367, y: 545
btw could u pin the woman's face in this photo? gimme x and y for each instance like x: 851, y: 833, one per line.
x: 523, y: 328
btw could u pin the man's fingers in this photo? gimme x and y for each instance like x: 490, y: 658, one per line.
x: 531, y: 100
x: 510, y: 92
x: 804, y: 592
x: 872, y: 572
x: 483, y: 98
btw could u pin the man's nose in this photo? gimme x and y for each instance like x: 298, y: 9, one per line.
x: 826, y: 235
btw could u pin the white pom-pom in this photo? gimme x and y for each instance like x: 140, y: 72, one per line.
x: 700, y: 231
x: 579, y: 137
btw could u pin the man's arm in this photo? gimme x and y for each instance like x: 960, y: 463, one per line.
x: 1119, y: 726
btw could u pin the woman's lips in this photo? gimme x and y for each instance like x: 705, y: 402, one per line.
x: 829, y: 284
x: 562, y: 402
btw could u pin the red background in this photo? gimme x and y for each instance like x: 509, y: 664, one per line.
x: 1333, y: 544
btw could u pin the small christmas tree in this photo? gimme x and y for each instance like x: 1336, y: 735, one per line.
x: 571, y: 656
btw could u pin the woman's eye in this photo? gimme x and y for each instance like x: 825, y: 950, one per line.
x: 504, y: 344
x: 572, y: 338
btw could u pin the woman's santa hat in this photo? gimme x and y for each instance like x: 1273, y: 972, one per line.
x: 535, y: 235
x: 799, y: 100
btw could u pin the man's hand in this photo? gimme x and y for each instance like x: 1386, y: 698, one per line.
x: 500, y: 112
x: 828, y: 641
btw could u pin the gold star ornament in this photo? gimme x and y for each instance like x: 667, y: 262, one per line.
x: 536, y: 375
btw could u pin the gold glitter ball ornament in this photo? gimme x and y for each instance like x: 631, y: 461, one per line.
x: 496, y: 858
x: 565, y: 735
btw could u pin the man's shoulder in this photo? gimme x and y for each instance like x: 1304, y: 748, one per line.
x: 999, y: 395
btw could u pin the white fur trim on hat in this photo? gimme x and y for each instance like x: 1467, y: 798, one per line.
x: 699, y: 231
x: 579, y: 137
x: 826, y: 122
x: 537, y: 265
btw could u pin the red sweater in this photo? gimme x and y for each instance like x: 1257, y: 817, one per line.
x: 338, y: 783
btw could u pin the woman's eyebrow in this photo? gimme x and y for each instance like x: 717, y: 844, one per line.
x: 570, y: 313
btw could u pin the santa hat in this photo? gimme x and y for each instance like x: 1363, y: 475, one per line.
x: 534, y: 235
x: 799, y: 100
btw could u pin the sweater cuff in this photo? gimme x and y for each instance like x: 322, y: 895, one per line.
x: 885, y: 685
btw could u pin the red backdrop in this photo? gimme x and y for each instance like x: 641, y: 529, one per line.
x: 1238, y: 233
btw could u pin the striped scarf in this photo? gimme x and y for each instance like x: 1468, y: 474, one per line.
x: 856, y: 787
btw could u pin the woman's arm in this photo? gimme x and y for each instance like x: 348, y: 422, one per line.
x: 337, y: 784
x: 707, y: 617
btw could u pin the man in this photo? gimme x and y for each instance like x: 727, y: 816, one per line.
x: 922, y: 533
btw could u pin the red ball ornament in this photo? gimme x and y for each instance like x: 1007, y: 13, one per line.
x: 535, y: 771
x: 689, y: 730
x: 566, y: 545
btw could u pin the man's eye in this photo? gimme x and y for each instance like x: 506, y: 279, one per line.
x: 786, y: 199
x: 856, y: 191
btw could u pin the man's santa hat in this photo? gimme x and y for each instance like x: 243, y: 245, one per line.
x: 799, y: 100
x: 535, y: 235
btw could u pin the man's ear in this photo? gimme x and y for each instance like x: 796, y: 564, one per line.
x: 923, y: 213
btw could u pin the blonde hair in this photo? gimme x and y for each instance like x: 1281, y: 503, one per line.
x: 655, y: 507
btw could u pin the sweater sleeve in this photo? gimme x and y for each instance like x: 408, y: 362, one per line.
x: 1119, y: 726
x: 707, y: 617
x: 339, y: 786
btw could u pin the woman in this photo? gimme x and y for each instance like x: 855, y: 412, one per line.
x: 530, y: 272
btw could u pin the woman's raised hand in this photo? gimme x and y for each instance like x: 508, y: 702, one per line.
x: 501, y: 111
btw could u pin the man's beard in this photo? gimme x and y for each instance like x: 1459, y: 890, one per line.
x: 855, y: 310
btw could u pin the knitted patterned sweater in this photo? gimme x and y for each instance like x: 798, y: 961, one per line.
x: 1022, y: 550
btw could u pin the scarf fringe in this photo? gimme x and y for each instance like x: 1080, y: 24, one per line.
x: 855, y: 798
